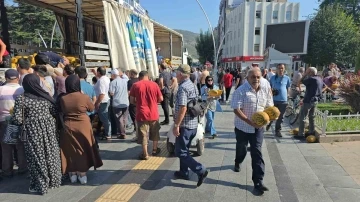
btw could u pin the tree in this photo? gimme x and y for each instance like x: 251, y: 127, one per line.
x: 352, y: 7
x: 333, y: 37
x: 189, y: 60
x: 204, y: 47
x: 26, y: 21
x: 357, y: 63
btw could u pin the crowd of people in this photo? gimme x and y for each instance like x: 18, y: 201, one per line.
x: 56, y: 110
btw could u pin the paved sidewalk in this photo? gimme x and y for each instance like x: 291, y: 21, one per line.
x: 295, y: 171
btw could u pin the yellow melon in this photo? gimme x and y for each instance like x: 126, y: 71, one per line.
x: 311, y: 139
x: 295, y: 131
x: 334, y: 86
x: 14, y: 60
x: 273, y: 112
x: 219, y: 92
x: 260, y: 118
x: 213, y: 93
x: 12, y: 111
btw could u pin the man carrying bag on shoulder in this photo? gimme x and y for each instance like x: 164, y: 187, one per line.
x: 185, y: 126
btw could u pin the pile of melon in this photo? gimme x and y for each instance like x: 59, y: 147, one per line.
x: 309, y: 138
x: 14, y: 60
x: 264, y: 118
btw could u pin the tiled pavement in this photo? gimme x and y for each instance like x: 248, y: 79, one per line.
x: 295, y: 171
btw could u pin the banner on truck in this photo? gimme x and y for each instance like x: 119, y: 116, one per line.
x: 131, y: 39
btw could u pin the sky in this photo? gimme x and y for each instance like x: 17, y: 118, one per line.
x: 187, y: 15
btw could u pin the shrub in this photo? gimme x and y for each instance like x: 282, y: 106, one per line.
x: 334, y: 108
x: 350, y: 91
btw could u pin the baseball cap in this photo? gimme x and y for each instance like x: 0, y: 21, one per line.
x: 184, y: 68
x: 115, y: 72
x: 11, y: 74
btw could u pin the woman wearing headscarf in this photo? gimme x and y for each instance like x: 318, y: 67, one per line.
x: 78, y: 147
x: 35, y: 111
x: 210, y: 114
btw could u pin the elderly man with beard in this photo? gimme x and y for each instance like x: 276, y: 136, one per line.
x: 248, y: 99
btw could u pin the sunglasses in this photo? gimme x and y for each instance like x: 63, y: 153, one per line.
x: 210, y: 80
x: 256, y: 77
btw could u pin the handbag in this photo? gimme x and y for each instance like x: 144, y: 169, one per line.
x: 15, y: 134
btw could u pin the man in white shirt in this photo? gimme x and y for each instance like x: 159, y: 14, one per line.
x: 8, y: 94
x: 248, y: 99
x: 103, y: 100
x: 270, y: 74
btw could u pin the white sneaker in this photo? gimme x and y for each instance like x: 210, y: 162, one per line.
x: 83, y: 179
x: 73, y: 178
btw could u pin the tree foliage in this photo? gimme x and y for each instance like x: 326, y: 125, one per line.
x: 204, y: 47
x: 26, y: 21
x: 189, y: 60
x: 333, y: 37
x: 352, y: 7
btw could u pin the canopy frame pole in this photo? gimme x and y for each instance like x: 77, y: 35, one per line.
x: 171, y: 45
x: 80, y: 30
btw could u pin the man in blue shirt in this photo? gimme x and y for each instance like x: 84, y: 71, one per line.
x: 87, y: 89
x: 280, y: 84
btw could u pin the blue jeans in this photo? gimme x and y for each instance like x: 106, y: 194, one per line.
x: 257, y: 161
x: 103, y: 113
x: 182, y: 145
x: 210, y: 125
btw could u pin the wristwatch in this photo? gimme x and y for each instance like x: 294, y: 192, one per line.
x: 176, y: 125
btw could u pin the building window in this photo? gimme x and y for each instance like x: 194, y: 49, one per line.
x: 234, y: 34
x: 288, y: 15
x: 256, y: 47
x: 275, y: 14
x: 258, y: 14
x: 240, y: 17
x: 257, y: 31
x: 239, y: 33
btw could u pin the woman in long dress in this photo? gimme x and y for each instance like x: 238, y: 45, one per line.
x: 78, y: 147
x: 41, y: 148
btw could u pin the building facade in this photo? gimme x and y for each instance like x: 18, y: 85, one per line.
x: 242, y: 28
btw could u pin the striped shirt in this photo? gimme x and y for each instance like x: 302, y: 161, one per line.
x: 8, y: 94
x: 250, y: 101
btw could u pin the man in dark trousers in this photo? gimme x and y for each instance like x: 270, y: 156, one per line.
x: 185, y: 127
x: 132, y: 108
x: 248, y: 99
x: 164, y: 84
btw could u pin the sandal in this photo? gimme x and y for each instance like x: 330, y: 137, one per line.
x: 156, y: 152
x: 104, y: 138
x: 143, y: 157
x: 121, y: 137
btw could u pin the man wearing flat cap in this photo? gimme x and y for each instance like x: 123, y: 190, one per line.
x: 185, y: 126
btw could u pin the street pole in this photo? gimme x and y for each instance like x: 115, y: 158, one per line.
x: 221, y: 42
x: 213, y: 37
